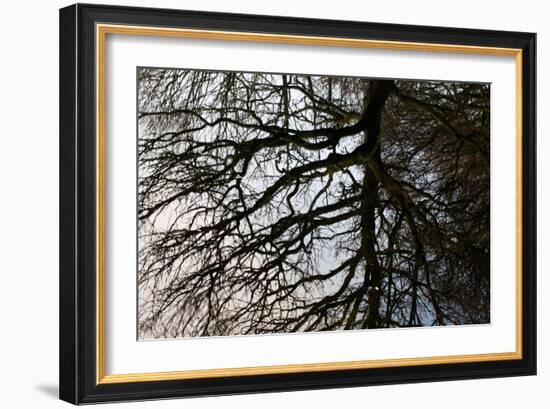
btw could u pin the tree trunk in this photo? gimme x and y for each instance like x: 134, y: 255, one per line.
x: 372, y: 275
x: 378, y: 93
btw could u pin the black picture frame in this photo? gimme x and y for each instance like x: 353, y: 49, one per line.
x: 78, y: 198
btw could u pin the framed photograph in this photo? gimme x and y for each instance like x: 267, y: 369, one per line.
x: 258, y: 203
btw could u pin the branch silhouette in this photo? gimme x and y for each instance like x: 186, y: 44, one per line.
x: 281, y: 203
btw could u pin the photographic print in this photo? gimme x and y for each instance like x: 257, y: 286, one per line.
x: 279, y: 203
x: 235, y: 188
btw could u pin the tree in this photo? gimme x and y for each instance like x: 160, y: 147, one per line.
x: 281, y: 203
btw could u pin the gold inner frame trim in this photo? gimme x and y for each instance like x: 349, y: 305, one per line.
x: 101, y: 33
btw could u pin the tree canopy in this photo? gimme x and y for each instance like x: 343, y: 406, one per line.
x: 281, y: 202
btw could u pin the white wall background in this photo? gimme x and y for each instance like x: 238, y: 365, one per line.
x: 29, y: 202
